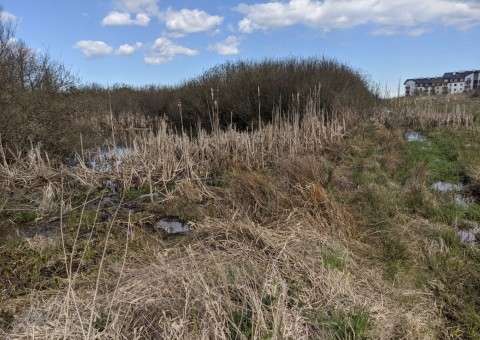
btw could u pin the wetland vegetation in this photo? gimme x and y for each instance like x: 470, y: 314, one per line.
x: 300, y: 210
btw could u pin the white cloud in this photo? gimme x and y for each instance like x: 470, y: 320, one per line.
x: 93, y: 49
x: 414, y: 32
x: 188, y: 21
x: 418, y: 31
x: 227, y: 47
x: 216, y: 32
x: 157, y: 60
x: 178, y: 23
x: 386, y: 31
x: 124, y: 19
x: 164, y: 50
x: 387, y: 14
x: 165, y: 46
x: 7, y: 17
x: 127, y: 49
x: 149, y: 7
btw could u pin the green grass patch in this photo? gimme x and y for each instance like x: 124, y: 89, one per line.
x: 24, y: 269
x: 442, y: 162
x: 454, y: 214
x: 241, y: 325
x: 458, y: 273
x: 395, y: 256
x: 450, y: 237
x: 25, y: 216
x: 332, y: 259
x: 351, y: 325
x: 377, y: 205
x: 134, y: 193
x: 85, y: 221
x: 416, y: 201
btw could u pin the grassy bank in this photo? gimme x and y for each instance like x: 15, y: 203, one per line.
x: 303, y: 228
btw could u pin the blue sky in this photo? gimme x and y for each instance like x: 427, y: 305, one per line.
x: 140, y: 42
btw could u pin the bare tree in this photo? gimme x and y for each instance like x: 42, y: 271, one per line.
x: 33, y: 86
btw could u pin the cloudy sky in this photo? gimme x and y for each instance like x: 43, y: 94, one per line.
x: 164, y: 42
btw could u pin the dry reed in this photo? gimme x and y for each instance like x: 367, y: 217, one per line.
x: 257, y: 271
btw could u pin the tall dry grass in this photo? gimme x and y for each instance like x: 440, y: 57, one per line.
x: 421, y: 113
x: 163, y: 154
x: 257, y: 269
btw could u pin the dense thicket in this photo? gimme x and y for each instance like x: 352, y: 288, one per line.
x: 33, y: 88
x: 42, y: 101
x: 243, y: 90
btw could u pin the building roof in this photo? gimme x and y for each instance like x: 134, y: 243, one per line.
x: 425, y: 81
x: 419, y: 80
x: 456, y: 75
x: 436, y: 80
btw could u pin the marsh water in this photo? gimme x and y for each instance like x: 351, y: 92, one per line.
x: 172, y: 226
x: 105, y: 158
x: 413, y: 136
x: 102, y: 160
x: 108, y: 157
x: 470, y: 231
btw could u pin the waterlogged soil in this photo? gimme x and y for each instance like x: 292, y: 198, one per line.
x: 446, y: 187
x: 32, y: 246
x: 107, y: 158
x: 398, y: 260
x: 457, y: 191
x: 172, y: 226
x: 471, y: 234
x: 105, y: 209
x: 413, y: 136
x: 460, y: 195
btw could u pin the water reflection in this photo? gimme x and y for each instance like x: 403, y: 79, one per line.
x: 172, y: 226
x: 108, y: 158
x: 446, y: 186
x: 414, y: 137
x: 469, y: 235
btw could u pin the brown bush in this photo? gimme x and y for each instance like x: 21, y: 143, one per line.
x: 34, y: 96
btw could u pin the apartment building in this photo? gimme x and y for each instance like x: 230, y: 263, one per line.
x: 450, y: 82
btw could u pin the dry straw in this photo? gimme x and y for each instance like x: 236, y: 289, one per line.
x: 258, y: 270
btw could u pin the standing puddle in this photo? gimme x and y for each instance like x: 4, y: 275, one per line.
x: 414, y: 137
x: 108, y: 158
x: 172, y: 226
x: 469, y: 235
x: 104, y: 201
x: 457, y: 189
x: 41, y: 230
x: 446, y: 187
